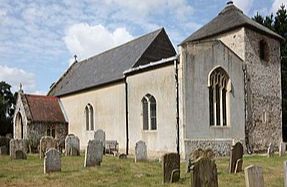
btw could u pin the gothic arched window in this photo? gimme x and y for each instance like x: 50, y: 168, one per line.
x: 218, y: 89
x: 149, y: 112
x: 89, y: 112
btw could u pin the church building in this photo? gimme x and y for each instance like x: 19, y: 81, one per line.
x: 223, y: 86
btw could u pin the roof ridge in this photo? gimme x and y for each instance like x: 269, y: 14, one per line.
x: 36, y: 95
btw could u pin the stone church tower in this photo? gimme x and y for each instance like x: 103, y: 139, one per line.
x: 231, y: 84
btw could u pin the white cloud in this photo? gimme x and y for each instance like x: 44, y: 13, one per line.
x: 15, y: 76
x: 244, y: 5
x: 276, y: 5
x: 86, y: 40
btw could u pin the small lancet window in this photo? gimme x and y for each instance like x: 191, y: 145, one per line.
x: 218, y: 81
x: 263, y: 50
x: 89, y: 113
x: 149, y: 112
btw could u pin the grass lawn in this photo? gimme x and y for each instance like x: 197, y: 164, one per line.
x: 115, y: 172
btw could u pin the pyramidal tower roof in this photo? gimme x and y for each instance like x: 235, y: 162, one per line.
x: 228, y: 19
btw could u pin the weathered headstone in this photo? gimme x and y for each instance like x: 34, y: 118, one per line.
x: 171, y: 167
x: 47, y: 142
x: 94, y: 153
x: 204, y: 172
x: 123, y: 156
x: 270, y: 150
x: 20, y: 155
x: 4, y: 145
x: 282, y: 148
x: 254, y: 176
x: 196, y: 154
x: 18, y: 149
x: 140, y: 151
x: 3, y: 150
x: 72, y: 145
x: 285, y: 173
x: 236, y: 153
x: 52, y: 161
x: 100, y: 135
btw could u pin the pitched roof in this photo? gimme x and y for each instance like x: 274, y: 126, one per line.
x: 229, y: 18
x: 109, y: 66
x: 40, y: 108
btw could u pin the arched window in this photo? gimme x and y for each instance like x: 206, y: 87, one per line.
x: 149, y: 112
x: 19, y: 126
x: 263, y: 50
x: 218, y: 94
x: 89, y: 112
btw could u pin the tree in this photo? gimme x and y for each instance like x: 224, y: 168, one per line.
x: 279, y: 25
x: 7, y: 104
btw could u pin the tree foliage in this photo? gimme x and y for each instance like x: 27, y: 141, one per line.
x: 7, y: 103
x: 279, y: 25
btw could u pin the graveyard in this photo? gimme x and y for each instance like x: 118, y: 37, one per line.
x: 125, y: 172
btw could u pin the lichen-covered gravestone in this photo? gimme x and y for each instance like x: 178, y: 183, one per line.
x: 94, y: 153
x: 236, y: 153
x: 270, y: 150
x: 18, y: 149
x: 171, y: 167
x: 72, y: 145
x: 140, y: 151
x: 47, y: 142
x: 254, y: 176
x: 282, y: 148
x: 52, y: 161
x: 203, y: 170
x: 100, y: 135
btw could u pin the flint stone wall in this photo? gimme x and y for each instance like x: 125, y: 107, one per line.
x: 263, y: 93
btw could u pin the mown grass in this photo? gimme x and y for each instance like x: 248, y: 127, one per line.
x: 115, y: 172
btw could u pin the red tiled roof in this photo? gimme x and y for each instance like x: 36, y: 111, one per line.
x: 45, y: 108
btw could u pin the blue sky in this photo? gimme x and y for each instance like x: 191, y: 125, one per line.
x: 38, y: 38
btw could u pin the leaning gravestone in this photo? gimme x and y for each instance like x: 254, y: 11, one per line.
x: 171, y: 167
x: 100, y: 135
x: 47, y: 142
x: 140, y: 151
x: 254, y: 176
x: 236, y: 153
x: 270, y: 150
x: 94, y: 153
x: 282, y: 148
x: 203, y: 170
x: 72, y: 145
x: 52, y: 161
x: 18, y: 149
x: 285, y: 173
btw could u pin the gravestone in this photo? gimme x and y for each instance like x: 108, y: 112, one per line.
x: 208, y: 153
x: 236, y: 153
x: 123, y: 156
x: 72, y: 145
x: 47, y: 142
x: 100, y: 135
x: 270, y: 150
x: 17, y: 146
x: 52, y: 161
x: 4, y: 142
x: 171, y: 167
x: 140, y: 151
x: 282, y: 149
x: 3, y: 150
x: 254, y: 176
x: 204, y: 172
x: 94, y: 153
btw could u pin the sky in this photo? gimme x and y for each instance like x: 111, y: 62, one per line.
x: 38, y: 38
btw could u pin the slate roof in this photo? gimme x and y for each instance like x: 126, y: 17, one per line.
x: 40, y: 108
x: 109, y: 66
x: 229, y: 18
